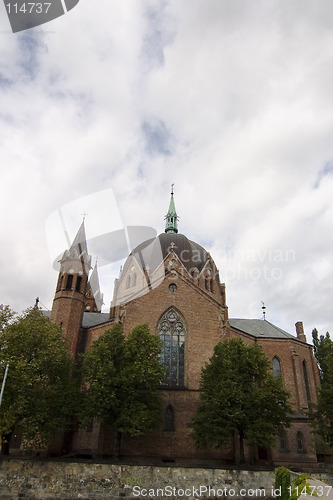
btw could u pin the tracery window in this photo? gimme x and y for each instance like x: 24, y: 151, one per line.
x: 276, y: 367
x: 172, y: 334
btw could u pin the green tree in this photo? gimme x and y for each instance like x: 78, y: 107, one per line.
x: 39, y: 388
x: 322, y: 414
x: 121, y: 377
x: 239, y: 393
x: 6, y: 316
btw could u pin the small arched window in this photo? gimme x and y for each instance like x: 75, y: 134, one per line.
x: 276, y: 365
x: 128, y: 281
x: 78, y: 284
x: 134, y: 279
x: 300, y: 442
x: 69, y: 282
x: 169, y: 419
x: 283, y: 442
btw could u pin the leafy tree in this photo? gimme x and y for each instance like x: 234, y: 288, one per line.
x: 6, y: 316
x: 322, y: 415
x: 39, y: 387
x: 239, y: 393
x: 121, y: 377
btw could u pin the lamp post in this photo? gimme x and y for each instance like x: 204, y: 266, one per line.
x: 4, y: 382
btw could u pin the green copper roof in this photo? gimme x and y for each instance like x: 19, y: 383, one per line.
x: 171, y: 217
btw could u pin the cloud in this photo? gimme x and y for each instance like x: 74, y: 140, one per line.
x: 230, y: 101
x: 156, y: 138
x: 325, y: 171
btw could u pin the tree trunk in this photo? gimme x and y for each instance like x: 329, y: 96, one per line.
x: 5, y: 438
x: 241, y: 446
x: 117, y: 445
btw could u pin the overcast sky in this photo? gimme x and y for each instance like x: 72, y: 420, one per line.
x: 103, y: 108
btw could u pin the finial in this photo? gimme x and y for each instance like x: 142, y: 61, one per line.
x: 172, y: 189
x: 84, y: 216
x: 36, y: 303
x: 263, y: 307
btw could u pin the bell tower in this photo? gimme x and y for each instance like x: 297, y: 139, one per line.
x: 69, y: 300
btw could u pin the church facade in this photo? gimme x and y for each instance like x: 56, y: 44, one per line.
x: 172, y: 284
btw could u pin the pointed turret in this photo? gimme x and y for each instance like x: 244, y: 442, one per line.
x: 80, y: 241
x: 171, y: 217
x: 94, y: 297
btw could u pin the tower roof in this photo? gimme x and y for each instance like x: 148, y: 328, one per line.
x: 80, y: 241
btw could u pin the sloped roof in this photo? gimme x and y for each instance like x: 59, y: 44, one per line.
x: 260, y: 328
x: 91, y: 319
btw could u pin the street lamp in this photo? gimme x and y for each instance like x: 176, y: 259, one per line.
x: 3, y: 382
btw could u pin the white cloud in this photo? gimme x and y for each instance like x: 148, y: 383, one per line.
x: 231, y: 101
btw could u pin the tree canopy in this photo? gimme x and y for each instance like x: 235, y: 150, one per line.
x: 322, y: 414
x: 39, y: 387
x: 238, y: 392
x: 121, y: 377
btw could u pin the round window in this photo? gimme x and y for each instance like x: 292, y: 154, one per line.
x: 172, y: 287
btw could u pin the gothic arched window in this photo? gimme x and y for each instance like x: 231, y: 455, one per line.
x: 283, y: 442
x: 276, y: 367
x: 172, y: 334
x: 300, y: 444
x: 69, y: 282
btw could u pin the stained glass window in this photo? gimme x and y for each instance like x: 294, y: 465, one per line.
x: 172, y: 334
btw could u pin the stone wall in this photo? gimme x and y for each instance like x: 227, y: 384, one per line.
x: 50, y: 479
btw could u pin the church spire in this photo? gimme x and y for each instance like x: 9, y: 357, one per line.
x: 171, y: 217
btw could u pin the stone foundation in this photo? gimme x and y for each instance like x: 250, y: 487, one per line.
x: 86, y: 480
x: 48, y: 479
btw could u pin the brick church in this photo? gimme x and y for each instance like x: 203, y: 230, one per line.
x: 172, y: 283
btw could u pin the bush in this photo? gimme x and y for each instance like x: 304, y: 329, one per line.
x: 300, y: 486
x: 282, y: 480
